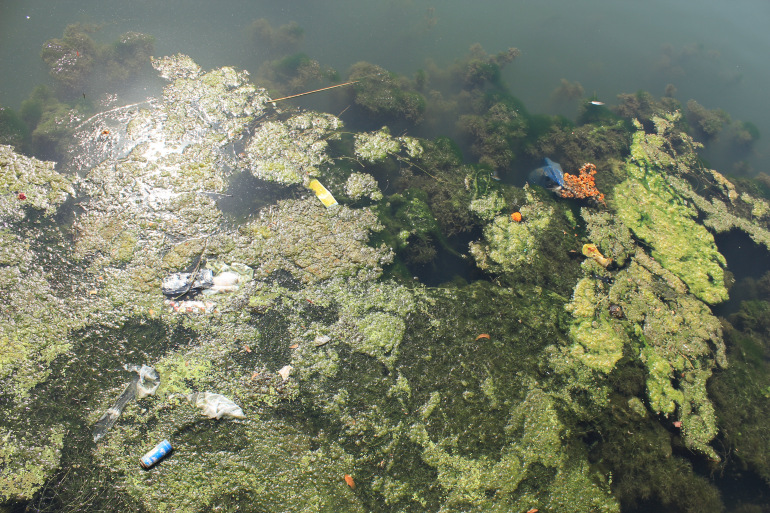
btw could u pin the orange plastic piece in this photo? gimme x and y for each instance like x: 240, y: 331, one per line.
x: 350, y: 482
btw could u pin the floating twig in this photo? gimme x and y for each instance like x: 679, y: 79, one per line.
x: 314, y: 91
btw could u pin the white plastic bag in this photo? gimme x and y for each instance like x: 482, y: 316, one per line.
x: 215, y: 406
x: 149, y: 381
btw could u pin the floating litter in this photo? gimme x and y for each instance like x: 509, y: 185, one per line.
x: 323, y: 194
x: 157, y: 453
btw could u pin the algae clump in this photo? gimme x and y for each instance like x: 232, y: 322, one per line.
x: 662, y: 218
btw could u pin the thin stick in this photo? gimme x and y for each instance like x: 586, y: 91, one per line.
x: 315, y: 91
x: 111, y: 110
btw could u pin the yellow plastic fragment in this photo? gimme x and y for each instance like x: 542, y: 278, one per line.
x: 591, y: 251
x: 323, y: 194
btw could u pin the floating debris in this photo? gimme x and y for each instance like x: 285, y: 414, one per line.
x: 228, y: 278
x: 582, y: 186
x: 191, y: 306
x: 285, y: 371
x: 321, y: 340
x: 550, y: 176
x: 323, y: 194
x: 180, y: 283
x: 145, y: 383
x: 591, y: 251
x: 157, y: 453
x: 215, y: 406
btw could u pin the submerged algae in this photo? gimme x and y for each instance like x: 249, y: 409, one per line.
x: 599, y: 340
x: 741, y: 392
x: 385, y: 96
x: 377, y: 146
x: 35, y: 321
x: 362, y: 184
x: 676, y: 336
x: 315, y: 243
x: 514, y: 452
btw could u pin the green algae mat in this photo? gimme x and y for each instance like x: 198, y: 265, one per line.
x: 539, y: 380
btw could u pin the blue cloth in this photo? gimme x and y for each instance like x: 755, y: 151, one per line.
x: 550, y: 176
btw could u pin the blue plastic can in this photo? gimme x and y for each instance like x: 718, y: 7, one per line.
x: 158, y: 452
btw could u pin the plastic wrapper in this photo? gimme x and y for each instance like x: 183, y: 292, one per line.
x: 145, y: 383
x: 180, y: 283
x: 228, y: 278
x: 323, y: 194
x: 550, y: 176
x: 215, y: 406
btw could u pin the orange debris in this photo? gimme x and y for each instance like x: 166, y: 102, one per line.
x: 483, y: 335
x: 349, y: 481
x: 582, y: 186
x: 516, y: 216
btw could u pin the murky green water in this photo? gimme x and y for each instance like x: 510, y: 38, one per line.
x: 414, y: 347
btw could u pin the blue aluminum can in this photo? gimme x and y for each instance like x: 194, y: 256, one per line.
x: 156, y: 454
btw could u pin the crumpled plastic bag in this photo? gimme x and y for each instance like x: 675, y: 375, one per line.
x: 215, y: 406
x: 149, y: 380
x: 228, y: 278
x: 180, y: 283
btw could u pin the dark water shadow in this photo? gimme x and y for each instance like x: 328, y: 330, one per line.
x: 747, y: 261
x: 246, y: 195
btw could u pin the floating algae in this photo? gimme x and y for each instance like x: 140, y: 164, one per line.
x: 340, y: 368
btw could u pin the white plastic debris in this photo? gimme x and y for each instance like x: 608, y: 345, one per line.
x: 145, y: 383
x: 215, y: 406
x: 321, y: 340
x: 228, y: 278
x: 285, y: 371
x: 149, y: 381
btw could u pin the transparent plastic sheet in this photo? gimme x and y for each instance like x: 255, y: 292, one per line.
x: 144, y: 383
x: 215, y: 406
